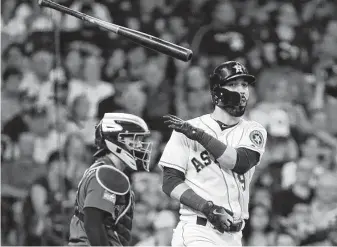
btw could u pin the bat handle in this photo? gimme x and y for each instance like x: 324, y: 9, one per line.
x: 53, y: 5
x: 50, y: 4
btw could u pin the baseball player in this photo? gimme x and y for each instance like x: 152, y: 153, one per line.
x: 104, y: 202
x: 209, y: 161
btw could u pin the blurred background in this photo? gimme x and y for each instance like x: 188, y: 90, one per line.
x: 60, y: 75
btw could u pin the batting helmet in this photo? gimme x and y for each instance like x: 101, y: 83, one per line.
x: 221, y: 75
x: 122, y: 134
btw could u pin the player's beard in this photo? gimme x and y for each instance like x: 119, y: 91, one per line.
x: 237, y: 111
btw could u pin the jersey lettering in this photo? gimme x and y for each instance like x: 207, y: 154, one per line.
x: 197, y: 164
x: 204, y: 156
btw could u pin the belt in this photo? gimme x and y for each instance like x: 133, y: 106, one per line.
x: 235, y: 227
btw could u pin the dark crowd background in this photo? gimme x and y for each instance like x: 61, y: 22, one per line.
x: 60, y: 75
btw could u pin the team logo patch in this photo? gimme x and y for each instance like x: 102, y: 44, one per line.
x: 256, y: 137
x: 109, y: 196
x: 238, y: 68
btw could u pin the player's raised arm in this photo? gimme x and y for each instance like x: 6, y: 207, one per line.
x: 239, y: 159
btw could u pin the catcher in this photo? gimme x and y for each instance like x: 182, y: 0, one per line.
x: 104, y: 201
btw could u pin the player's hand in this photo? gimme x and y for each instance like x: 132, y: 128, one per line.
x: 219, y: 217
x: 182, y: 126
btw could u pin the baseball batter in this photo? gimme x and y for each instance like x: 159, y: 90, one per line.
x: 209, y: 162
x: 104, y: 201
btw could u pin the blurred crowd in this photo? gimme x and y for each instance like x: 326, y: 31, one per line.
x: 60, y: 75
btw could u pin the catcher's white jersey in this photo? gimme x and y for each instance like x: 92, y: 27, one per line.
x: 223, y: 187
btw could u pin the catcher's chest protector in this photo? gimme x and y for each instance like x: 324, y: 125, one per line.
x: 122, y: 203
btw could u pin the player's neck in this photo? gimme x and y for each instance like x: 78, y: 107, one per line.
x: 224, y: 117
x: 117, y: 162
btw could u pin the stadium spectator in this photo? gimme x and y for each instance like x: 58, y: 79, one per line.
x: 11, y: 79
x: 158, y: 94
x: 43, y: 205
x: 76, y: 158
x: 259, y: 230
x: 301, y: 191
x: 96, y: 9
x: 95, y: 88
x: 19, y: 122
x: 79, y: 120
x: 163, y: 227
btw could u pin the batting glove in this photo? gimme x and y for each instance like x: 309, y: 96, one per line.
x: 183, y: 127
x: 219, y: 217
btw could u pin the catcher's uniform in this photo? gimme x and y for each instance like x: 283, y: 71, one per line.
x: 91, y: 194
x: 224, y: 187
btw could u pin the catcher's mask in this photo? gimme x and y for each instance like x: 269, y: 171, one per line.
x: 230, y: 101
x: 123, y: 135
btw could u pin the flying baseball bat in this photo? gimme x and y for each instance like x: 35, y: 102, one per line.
x: 141, y: 38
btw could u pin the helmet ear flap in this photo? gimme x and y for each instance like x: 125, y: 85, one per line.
x: 214, y: 84
x: 99, y: 138
x: 214, y: 80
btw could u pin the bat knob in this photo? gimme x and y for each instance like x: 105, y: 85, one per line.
x: 189, y: 55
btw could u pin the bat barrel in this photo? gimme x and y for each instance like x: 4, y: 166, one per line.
x: 156, y: 44
x: 143, y: 39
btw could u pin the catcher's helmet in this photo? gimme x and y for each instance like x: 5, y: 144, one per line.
x: 122, y: 134
x: 221, y: 75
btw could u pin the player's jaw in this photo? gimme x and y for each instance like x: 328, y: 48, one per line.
x: 237, y: 111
